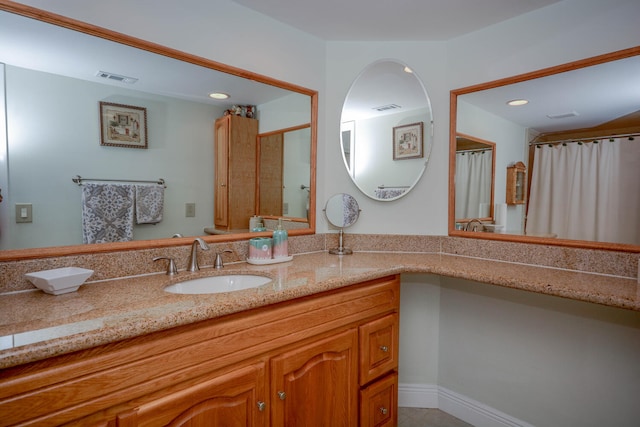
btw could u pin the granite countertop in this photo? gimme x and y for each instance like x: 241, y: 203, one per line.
x: 35, y: 325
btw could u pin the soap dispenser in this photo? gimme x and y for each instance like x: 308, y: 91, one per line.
x: 280, y: 245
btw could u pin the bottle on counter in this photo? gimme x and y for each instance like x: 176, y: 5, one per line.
x: 256, y: 224
x: 280, y: 241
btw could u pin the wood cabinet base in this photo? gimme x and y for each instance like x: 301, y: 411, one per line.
x: 231, y: 368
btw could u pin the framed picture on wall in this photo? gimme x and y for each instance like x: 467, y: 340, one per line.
x: 407, y: 141
x: 123, y: 125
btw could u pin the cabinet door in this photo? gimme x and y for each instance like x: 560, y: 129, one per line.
x: 317, y: 384
x: 221, y: 184
x: 378, y: 347
x: 234, y: 399
x: 379, y: 403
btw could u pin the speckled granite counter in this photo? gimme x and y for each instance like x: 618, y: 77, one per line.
x: 34, y: 325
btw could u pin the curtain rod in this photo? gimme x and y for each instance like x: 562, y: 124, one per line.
x: 78, y: 180
x: 591, y: 138
x: 474, y: 150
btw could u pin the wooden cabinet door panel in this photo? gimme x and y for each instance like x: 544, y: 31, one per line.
x: 229, y: 400
x: 316, y: 385
x: 379, y: 341
x: 221, y: 161
x: 379, y: 403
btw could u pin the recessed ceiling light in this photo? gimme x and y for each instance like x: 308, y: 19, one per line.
x: 218, y: 95
x: 517, y: 102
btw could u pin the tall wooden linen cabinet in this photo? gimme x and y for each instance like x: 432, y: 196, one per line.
x: 235, y: 172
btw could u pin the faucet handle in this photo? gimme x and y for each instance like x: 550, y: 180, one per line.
x: 171, y: 266
x: 219, y: 263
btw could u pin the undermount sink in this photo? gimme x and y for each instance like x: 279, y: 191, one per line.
x: 218, y: 284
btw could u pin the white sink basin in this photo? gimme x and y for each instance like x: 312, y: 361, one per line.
x: 218, y: 284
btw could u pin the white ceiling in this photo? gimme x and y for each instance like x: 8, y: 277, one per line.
x: 347, y: 20
x: 392, y: 20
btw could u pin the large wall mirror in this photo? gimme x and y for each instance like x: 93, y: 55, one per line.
x: 55, y: 73
x: 575, y: 130
x: 386, y: 130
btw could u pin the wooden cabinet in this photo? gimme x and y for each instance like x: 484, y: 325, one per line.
x: 235, y: 399
x: 379, y: 340
x: 297, y: 363
x: 316, y: 385
x: 379, y: 402
x: 235, y: 172
x: 516, y: 184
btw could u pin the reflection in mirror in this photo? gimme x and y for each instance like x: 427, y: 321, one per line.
x: 283, y: 173
x: 52, y: 138
x: 577, y: 138
x: 475, y: 170
x: 386, y: 95
x: 342, y: 211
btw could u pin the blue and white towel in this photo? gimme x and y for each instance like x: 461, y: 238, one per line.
x: 149, y: 203
x: 107, y: 213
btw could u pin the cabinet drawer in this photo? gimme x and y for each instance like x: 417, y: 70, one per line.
x: 378, y: 347
x: 379, y: 403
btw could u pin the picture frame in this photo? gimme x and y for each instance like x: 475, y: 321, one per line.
x: 408, y: 141
x: 123, y: 125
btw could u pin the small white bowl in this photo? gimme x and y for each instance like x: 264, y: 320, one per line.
x: 59, y: 280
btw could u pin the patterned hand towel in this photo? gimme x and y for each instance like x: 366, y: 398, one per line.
x: 149, y: 203
x: 107, y: 213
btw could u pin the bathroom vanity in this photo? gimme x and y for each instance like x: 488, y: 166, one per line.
x: 331, y: 356
x: 125, y: 352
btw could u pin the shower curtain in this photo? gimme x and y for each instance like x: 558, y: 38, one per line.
x: 473, y: 184
x: 586, y: 191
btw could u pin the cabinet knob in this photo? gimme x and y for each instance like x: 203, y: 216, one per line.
x: 384, y: 348
x: 223, y: 185
x: 282, y: 395
x: 261, y: 405
x: 383, y: 410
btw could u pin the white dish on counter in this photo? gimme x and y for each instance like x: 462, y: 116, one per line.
x: 264, y: 261
x: 59, y: 280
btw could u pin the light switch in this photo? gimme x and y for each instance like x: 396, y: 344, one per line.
x: 190, y: 210
x: 24, y: 212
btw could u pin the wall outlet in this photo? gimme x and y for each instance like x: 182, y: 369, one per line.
x: 24, y: 212
x: 190, y: 210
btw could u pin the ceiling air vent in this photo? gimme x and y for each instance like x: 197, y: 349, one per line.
x: 564, y: 115
x: 116, y: 77
x: 387, y: 107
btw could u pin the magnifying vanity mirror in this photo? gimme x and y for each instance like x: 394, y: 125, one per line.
x: 582, y: 110
x: 342, y: 211
x: 386, y: 130
x: 54, y: 83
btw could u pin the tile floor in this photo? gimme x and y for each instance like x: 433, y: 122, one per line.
x: 418, y: 417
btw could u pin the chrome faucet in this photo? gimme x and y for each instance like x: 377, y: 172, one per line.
x: 193, y: 259
x: 478, y: 227
x: 219, y: 263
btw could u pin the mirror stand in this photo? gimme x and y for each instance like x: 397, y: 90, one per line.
x: 342, y: 211
x: 340, y: 250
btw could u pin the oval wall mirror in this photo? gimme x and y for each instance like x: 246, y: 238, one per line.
x: 342, y: 211
x: 386, y: 130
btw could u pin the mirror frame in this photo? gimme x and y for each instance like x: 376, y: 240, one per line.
x: 83, y: 27
x: 600, y: 59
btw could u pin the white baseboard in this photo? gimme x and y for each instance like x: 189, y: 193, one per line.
x: 462, y: 407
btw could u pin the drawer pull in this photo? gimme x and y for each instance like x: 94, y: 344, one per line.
x: 383, y: 410
x: 261, y: 405
x: 282, y: 395
x: 384, y: 348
